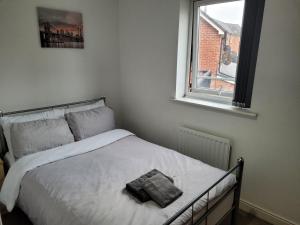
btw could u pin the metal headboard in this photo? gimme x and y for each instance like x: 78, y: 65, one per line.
x: 51, y: 107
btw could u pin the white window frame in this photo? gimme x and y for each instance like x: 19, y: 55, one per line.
x: 196, y: 93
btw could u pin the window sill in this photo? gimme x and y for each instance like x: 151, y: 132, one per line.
x: 218, y: 107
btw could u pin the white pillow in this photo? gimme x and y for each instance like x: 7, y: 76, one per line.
x: 85, y: 107
x: 7, y: 121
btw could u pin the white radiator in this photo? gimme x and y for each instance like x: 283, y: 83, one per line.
x: 208, y: 148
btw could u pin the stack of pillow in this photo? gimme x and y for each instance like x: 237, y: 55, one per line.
x: 36, y: 132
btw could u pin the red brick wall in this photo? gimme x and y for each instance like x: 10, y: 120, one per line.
x: 210, y: 42
x: 210, y: 50
x: 226, y: 86
x: 234, y: 43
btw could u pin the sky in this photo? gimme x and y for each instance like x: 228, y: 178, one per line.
x: 229, y: 12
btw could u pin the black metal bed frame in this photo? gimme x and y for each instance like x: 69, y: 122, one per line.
x: 67, y: 105
x: 233, y: 211
x: 236, y: 188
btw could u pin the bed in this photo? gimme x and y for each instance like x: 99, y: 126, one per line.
x: 83, y: 183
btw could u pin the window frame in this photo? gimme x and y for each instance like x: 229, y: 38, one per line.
x: 248, y: 53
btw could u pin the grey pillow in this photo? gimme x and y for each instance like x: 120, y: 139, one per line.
x: 91, y: 122
x: 39, y: 135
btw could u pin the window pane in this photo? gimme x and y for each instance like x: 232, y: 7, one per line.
x: 219, y: 35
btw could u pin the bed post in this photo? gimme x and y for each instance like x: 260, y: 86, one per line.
x: 237, y: 192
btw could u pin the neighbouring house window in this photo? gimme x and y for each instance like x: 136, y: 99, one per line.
x: 224, y: 44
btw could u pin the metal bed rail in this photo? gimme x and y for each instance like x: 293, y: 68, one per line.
x: 51, y: 107
x: 209, y: 209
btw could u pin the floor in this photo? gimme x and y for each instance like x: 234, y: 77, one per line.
x: 17, y: 217
x: 246, y: 219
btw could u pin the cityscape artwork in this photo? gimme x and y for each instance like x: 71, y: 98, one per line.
x: 60, y: 29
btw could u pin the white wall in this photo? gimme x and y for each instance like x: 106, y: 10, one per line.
x: 31, y: 76
x: 270, y: 144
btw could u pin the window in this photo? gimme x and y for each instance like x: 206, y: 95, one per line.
x: 224, y: 44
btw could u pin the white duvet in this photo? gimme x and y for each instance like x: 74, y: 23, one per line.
x: 11, y: 186
x: 83, y: 183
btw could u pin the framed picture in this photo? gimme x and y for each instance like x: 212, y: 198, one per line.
x: 60, y: 29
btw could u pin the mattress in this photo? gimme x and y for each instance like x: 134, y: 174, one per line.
x: 89, y: 188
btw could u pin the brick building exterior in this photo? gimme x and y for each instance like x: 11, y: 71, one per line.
x: 210, y: 47
x: 214, y: 36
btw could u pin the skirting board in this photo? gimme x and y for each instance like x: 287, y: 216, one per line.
x: 264, y: 214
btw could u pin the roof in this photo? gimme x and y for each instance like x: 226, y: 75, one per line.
x: 230, y: 28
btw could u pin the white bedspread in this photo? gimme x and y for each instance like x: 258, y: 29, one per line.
x: 83, y: 183
x: 11, y: 186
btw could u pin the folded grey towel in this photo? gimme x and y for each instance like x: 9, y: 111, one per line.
x: 161, y: 190
x: 136, y: 187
